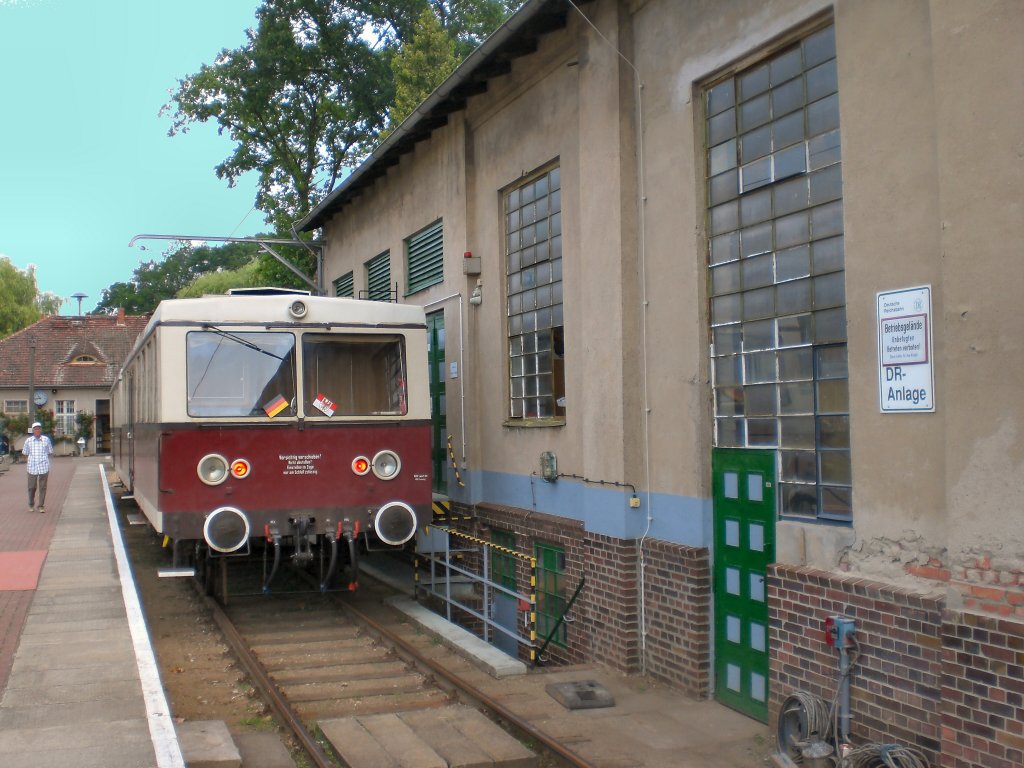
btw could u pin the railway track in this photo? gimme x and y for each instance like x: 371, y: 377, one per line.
x: 347, y: 685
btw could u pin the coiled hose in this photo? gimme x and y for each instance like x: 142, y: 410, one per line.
x: 884, y: 756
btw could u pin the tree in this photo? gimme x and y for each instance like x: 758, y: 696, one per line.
x: 222, y: 281
x: 307, y: 95
x: 154, y: 281
x: 421, y: 65
x: 49, y: 303
x: 303, y: 98
x: 18, y: 297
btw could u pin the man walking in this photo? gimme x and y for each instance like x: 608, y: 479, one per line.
x: 38, y: 449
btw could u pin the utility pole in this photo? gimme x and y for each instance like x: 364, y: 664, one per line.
x: 31, y: 379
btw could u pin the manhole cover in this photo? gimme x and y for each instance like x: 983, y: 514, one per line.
x: 584, y: 694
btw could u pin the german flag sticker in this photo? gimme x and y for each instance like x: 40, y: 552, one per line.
x: 275, y: 406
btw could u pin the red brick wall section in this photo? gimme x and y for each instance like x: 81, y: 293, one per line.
x: 895, y: 686
x: 982, y: 692
x: 677, y: 584
x: 606, y: 626
x: 611, y: 611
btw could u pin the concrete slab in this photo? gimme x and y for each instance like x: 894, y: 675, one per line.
x: 444, y: 739
x: 355, y: 745
x: 83, y: 745
x: 495, y: 662
x: 263, y: 750
x: 401, y: 742
x: 504, y: 750
x: 97, y: 693
x: 208, y: 744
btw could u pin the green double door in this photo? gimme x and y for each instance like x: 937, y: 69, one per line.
x: 744, y: 515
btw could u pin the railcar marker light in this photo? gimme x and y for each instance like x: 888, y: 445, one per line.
x: 360, y: 465
x: 240, y: 468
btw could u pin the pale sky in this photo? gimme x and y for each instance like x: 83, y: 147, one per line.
x: 85, y: 160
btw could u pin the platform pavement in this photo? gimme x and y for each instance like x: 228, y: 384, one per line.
x: 74, y: 692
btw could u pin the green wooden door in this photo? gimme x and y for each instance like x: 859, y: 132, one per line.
x: 744, y: 511
x: 438, y: 411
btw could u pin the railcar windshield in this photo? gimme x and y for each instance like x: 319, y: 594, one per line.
x: 353, y: 375
x: 240, y: 374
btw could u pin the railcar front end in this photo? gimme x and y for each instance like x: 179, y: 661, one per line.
x: 280, y: 424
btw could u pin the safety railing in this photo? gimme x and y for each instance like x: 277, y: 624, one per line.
x: 442, y: 568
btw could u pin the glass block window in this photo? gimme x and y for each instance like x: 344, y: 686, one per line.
x: 424, y: 253
x: 551, y: 601
x: 533, y: 254
x: 378, y: 277
x: 776, y: 272
x: 344, y: 286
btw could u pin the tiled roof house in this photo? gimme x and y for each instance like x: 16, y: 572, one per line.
x: 75, y: 362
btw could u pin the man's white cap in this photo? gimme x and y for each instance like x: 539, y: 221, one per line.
x: 36, y: 424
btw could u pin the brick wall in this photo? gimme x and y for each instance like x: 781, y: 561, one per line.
x: 896, y: 683
x: 982, y: 692
x: 948, y: 682
x: 677, y: 584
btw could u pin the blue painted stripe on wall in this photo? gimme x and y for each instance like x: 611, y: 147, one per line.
x: 677, y: 519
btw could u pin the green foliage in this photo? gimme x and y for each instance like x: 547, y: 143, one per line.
x: 49, y: 303
x: 421, y: 65
x: 307, y: 95
x: 17, y: 424
x: 83, y: 425
x: 215, y: 283
x: 303, y: 98
x: 18, y: 294
x: 154, y: 281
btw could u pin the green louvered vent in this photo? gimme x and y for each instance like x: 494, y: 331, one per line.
x: 378, y: 277
x: 425, y: 251
x: 343, y: 286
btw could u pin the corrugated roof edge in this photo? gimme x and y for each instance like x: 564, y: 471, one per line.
x: 462, y: 75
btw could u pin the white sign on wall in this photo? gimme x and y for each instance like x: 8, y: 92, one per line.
x: 905, y: 380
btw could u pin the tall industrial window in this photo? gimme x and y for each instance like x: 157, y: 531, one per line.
x: 533, y: 257
x: 64, y: 417
x: 343, y: 286
x: 424, y: 253
x: 551, y: 600
x: 378, y: 277
x: 776, y: 273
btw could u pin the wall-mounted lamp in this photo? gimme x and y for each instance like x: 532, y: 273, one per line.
x: 476, y: 297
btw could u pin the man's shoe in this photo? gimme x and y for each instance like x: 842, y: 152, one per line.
x: 31, y: 510
x: 42, y: 510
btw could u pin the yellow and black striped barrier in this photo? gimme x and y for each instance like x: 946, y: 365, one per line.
x: 455, y: 466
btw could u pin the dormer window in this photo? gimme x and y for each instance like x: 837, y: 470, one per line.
x: 84, y: 360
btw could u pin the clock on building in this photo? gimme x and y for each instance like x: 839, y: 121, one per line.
x: 40, y: 398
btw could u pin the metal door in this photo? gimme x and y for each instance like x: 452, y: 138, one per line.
x: 504, y: 606
x: 744, y: 513
x: 438, y: 410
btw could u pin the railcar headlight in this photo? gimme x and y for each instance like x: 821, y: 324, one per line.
x: 395, y: 523
x: 360, y: 465
x: 226, y: 529
x: 386, y: 465
x: 212, y: 469
x: 240, y: 468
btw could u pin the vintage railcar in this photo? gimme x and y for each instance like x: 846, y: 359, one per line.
x: 283, y: 424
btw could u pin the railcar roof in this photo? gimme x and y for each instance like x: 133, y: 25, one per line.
x: 274, y: 309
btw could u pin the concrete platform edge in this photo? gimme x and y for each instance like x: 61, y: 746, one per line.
x: 161, y: 724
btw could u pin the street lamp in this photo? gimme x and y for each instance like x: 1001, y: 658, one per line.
x: 79, y: 296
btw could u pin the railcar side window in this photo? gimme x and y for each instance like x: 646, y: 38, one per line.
x: 233, y: 374
x: 353, y: 375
